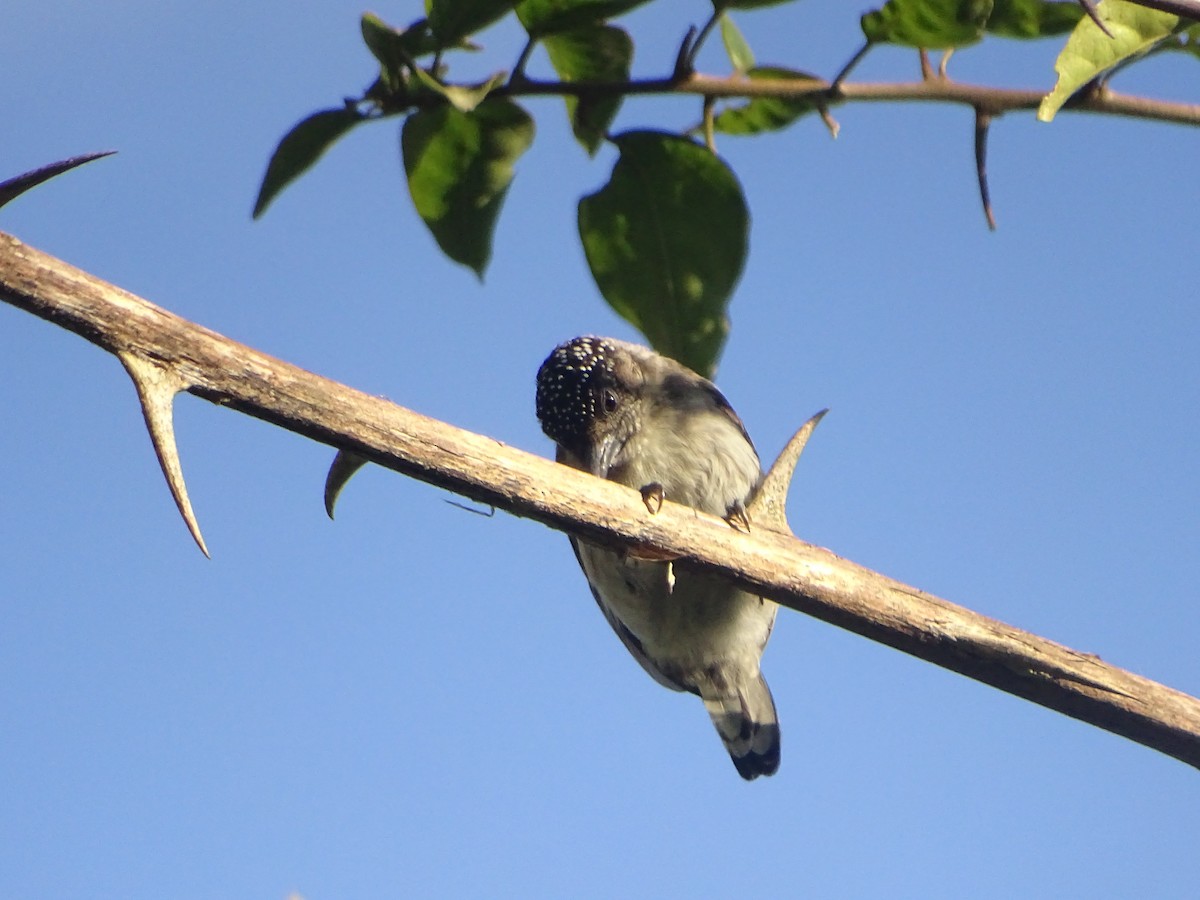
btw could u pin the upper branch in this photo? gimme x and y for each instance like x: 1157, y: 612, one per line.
x: 936, y: 90
x: 799, y: 575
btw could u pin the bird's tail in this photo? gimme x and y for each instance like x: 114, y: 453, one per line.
x: 746, y: 721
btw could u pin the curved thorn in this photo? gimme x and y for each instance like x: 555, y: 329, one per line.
x: 1094, y: 14
x: 157, y: 386
x: 345, y: 464
x: 683, y: 59
x: 15, y: 187
x: 836, y: 85
x: 767, y: 506
x: 983, y: 121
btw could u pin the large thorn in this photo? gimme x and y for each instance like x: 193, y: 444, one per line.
x: 345, y: 464
x: 157, y: 386
x: 983, y: 122
x: 15, y: 187
x: 768, y: 506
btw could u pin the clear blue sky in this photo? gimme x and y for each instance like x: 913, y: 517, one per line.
x: 416, y: 700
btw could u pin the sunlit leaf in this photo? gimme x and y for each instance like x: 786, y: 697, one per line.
x: 741, y: 57
x: 300, y: 148
x: 931, y: 24
x: 1090, y: 52
x: 541, y: 17
x: 666, y: 240
x: 761, y: 114
x: 591, y: 53
x: 459, y: 167
x: 1033, y: 18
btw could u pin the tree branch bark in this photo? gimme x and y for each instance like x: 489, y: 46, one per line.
x: 801, y: 576
x: 996, y: 100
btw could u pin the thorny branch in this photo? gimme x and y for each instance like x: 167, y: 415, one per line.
x: 931, y: 90
x: 171, y: 354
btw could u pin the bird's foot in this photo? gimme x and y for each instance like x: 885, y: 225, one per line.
x: 653, y: 496
x: 738, y: 516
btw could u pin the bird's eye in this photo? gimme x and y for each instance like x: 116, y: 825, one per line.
x: 608, y: 401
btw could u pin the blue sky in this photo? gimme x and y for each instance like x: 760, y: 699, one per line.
x: 416, y: 700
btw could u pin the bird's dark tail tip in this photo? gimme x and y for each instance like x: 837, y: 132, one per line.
x: 749, y: 727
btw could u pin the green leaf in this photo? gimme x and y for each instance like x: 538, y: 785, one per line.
x: 300, y: 148
x: 930, y: 24
x: 542, y: 17
x: 393, y: 47
x: 459, y: 167
x: 1186, y: 40
x: 453, y: 20
x: 666, y: 240
x: 740, y: 54
x: 765, y: 113
x: 591, y: 53
x: 1090, y: 52
x: 1033, y: 18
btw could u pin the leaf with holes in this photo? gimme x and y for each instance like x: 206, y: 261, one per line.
x: 1090, y: 52
x: 459, y: 167
x: 666, y: 240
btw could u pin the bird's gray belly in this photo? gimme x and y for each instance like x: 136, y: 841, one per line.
x: 696, y: 624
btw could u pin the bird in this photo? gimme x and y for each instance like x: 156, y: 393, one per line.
x: 625, y: 413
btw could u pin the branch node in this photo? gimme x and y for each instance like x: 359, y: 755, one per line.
x: 157, y: 386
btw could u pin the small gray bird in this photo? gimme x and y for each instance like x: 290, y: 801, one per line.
x: 625, y: 413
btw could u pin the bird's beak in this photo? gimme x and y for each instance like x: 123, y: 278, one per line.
x: 605, y: 454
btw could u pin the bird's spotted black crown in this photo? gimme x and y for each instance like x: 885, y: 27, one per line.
x: 566, y: 382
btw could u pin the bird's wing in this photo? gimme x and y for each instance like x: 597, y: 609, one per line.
x: 725, y: 407
x: 629, y: 639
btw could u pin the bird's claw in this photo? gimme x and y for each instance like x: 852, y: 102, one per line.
x: 738, y: 516
x: 653, y: 496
